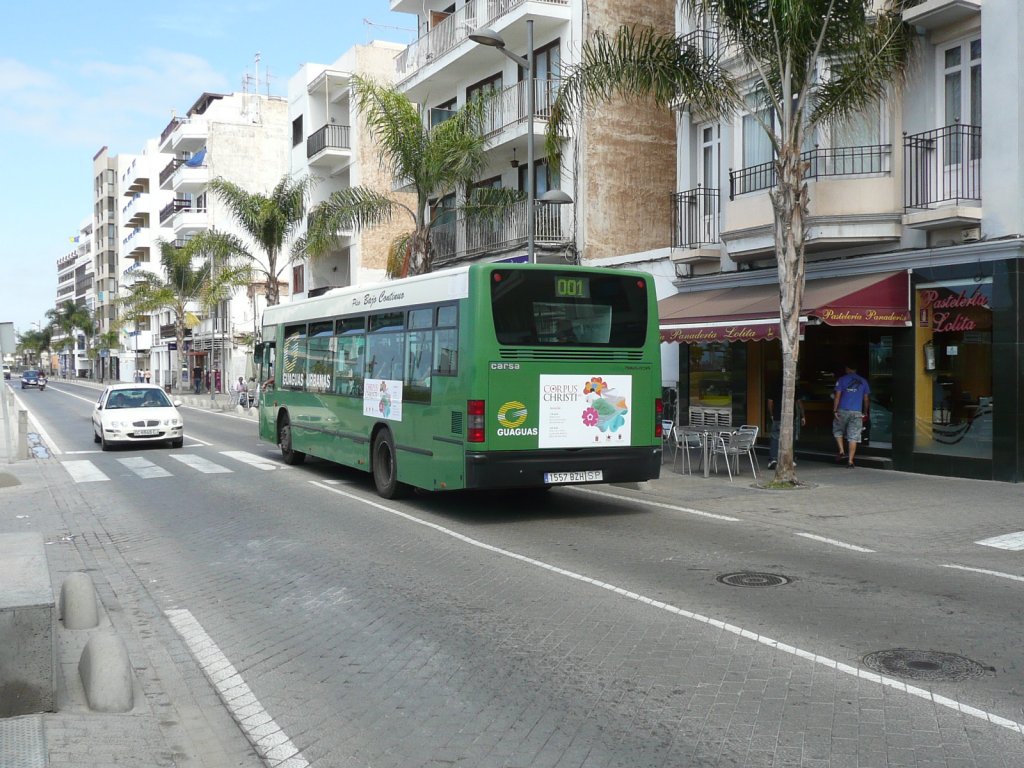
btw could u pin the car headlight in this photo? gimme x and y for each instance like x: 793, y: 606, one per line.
x: 118, y: 424
x: 172, y: 422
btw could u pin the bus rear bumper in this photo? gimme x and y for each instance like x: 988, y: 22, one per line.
x: 526, y: 469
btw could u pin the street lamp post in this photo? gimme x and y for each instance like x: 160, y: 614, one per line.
x: 491, y: 38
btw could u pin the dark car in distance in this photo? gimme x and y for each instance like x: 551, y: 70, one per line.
x: 33, y: 379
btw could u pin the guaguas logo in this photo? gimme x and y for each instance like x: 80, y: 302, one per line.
x: 512, y: 415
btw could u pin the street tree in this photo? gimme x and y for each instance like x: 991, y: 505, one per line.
x: 198, y: 275
x: 68, y: 319
x: 270, y: 221
x: 435, y: 160
x: 801, y: 64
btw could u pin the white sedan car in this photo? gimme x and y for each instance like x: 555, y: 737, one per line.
x: 136, y: 413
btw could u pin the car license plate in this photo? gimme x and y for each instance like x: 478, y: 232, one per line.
x: 146, y: 432
x: 588, y: 476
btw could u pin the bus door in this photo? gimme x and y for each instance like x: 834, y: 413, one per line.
x: 266, y: 356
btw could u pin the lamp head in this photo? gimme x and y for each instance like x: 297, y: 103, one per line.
x: 487, y: 36
x: 555, y: 197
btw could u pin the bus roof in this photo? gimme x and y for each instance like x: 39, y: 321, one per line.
x: 339, y: 301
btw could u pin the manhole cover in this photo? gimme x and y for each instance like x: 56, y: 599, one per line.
x: 753, y: 579
x: 923, y: 665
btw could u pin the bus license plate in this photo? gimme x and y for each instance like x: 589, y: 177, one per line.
x: 146, y: 432
x: 589, y: 476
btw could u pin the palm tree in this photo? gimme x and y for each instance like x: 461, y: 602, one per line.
x: 69, y: 318
x: 435, y: 161
x: 270, y: 221
x: 202, y: 272
x: 812, y: 62
x: 107, y: 341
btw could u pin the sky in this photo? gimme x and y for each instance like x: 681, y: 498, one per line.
x: 77, y: 76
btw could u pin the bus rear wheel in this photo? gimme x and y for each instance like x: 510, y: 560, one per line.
x: 284, y: 437
x: 385, y: 467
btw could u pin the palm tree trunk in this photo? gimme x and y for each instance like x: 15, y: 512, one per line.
x: 789, y: 199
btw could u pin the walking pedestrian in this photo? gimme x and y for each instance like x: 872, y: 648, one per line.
x: 850, y: 405
x: 775, y: 409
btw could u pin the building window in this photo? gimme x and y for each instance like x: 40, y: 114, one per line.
x: 299, y: 279
x: 297, y: 131
x: 954, y: 408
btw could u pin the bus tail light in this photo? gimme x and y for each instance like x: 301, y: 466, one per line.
x: 659, y: 410
x: 475, y: 428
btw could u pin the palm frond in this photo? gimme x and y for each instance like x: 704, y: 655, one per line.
x: 352, y: 208
x: 637, y: 64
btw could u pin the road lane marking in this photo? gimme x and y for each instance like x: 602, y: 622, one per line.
x: 1011, y: 541
x: 855, y: 672
x: 835, y: 542
x: 84, y: 471
x: 199, y: 464
x: 253, y: 460
x: 272, y: 743
x: 144, y: 468
x: 985, y: 571
x: 673, y: 507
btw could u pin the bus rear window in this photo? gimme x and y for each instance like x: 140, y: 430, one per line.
x: 569, y: 309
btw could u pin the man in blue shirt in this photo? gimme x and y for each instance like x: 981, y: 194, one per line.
x: 849, y: 410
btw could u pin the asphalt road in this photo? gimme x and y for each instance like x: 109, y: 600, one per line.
x: 573, y: 628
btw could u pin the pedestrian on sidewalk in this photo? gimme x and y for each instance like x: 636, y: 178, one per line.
x: 851, y: 401
x: 775, y: 409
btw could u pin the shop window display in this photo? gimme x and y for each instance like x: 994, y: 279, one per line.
x: 954, y: 405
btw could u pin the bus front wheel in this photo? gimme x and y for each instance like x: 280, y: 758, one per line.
x: 288, y: 453
x: 385, y: 467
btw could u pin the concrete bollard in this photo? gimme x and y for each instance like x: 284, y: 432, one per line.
x: 78, y: 608
x: 22, y: 449
x: 106, y: 674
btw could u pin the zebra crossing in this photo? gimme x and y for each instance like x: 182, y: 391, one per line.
x: 147, y: 468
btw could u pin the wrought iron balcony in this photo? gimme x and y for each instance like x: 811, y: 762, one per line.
x: 870, y: 160
x: 447, y: 33
x: 695, y: 220
x: 328, y: 137
x: 461, y: 237
x: 173, y: 207
x: 169, y: 170
x: 942, y: 166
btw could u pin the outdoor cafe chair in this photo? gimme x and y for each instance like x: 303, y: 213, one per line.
x: 732, y: 445
x: 687, y: 439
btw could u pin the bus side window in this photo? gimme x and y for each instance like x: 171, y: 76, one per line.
x: 446, y: 341
x: 349, y: 365
x: 420, y: 358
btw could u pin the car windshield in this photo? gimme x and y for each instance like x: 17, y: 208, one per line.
x: 30, y: 375
x: 137, y: 398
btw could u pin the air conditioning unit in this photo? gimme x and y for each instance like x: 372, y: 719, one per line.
x: 970, y: 234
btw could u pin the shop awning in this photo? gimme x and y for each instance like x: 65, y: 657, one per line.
x: 751, y: 313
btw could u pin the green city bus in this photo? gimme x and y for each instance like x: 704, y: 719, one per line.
x: 487, y: 376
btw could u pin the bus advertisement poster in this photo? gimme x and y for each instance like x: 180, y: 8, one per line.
x: 582, y: 411
x: 382, y: 398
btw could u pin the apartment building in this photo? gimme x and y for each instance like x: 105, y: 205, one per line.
x: 330, y: 143
x: 142, y: 199
x: 242, y: 137
x: 618, y: 164
x: 75, y: 283
x: 108, y: 171
x: 914, y: 253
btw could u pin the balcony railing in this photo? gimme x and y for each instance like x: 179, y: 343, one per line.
x: 942, y: 166
x: 695, y: 221
x: 462, y: 237
x: 510, y: 107
x: 169, y: 169
x: 169, y: 129
x: 870, y: 160
x: 328, y: 137
x: 455, y: 28
x: 173, y: 207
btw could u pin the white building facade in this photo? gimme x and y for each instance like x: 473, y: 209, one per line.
x: 330, y: 143
x: 242, y: 137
